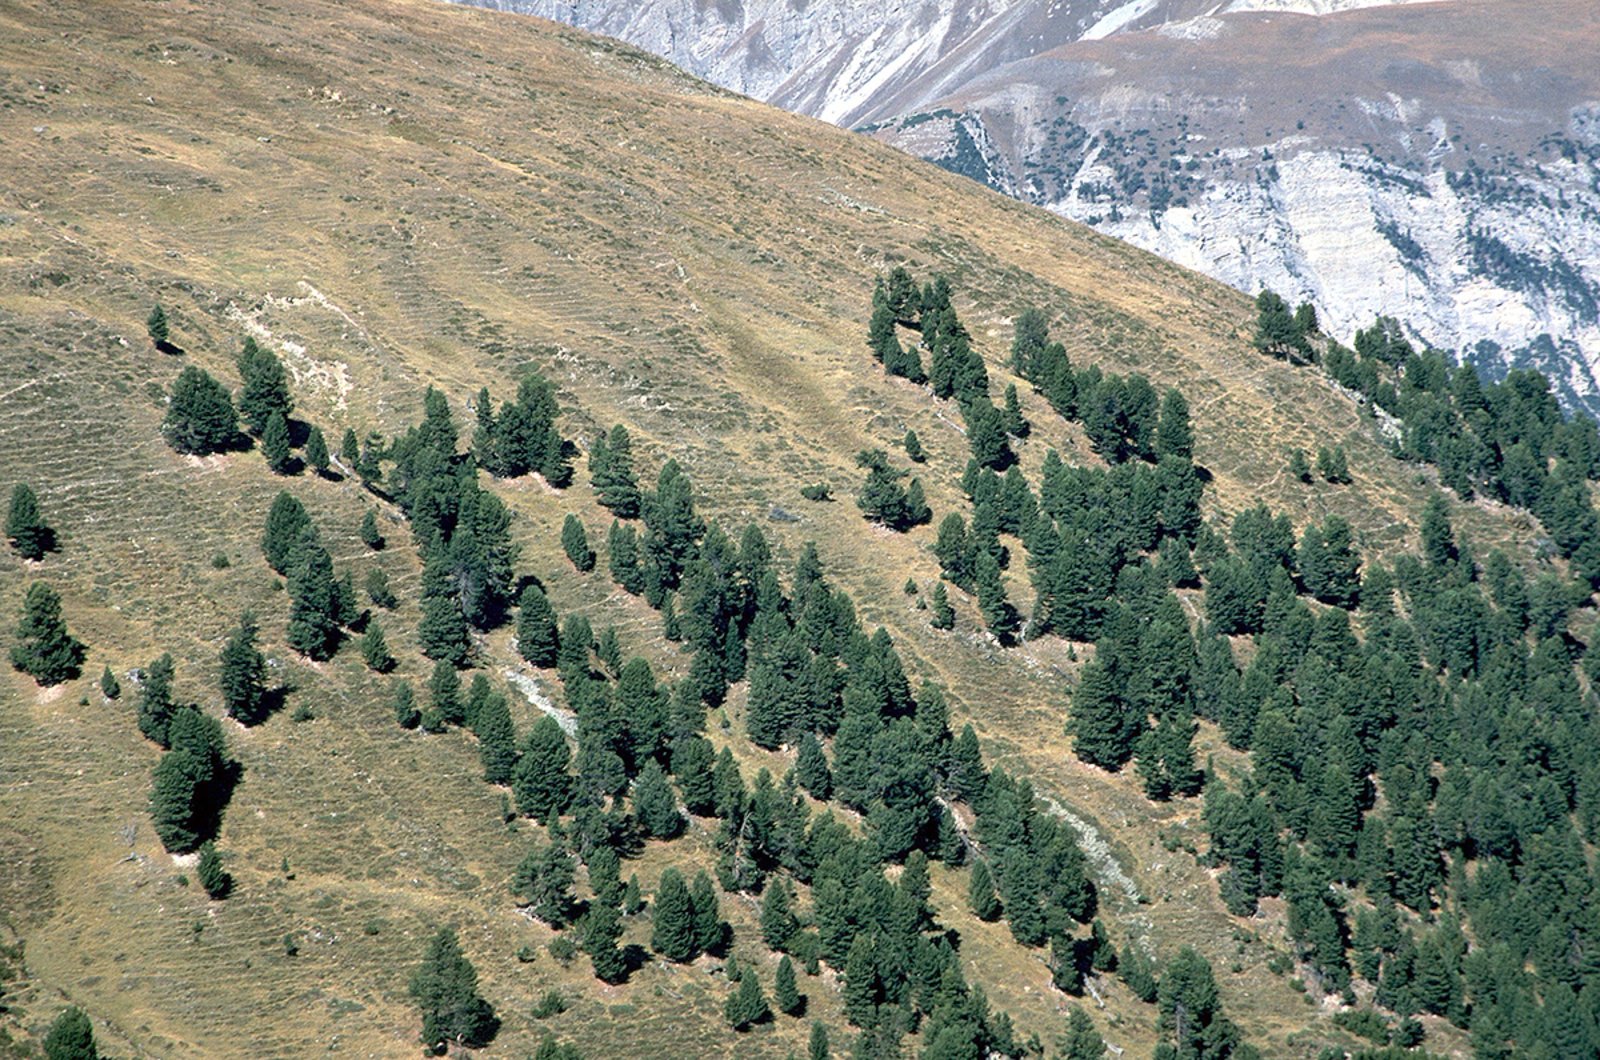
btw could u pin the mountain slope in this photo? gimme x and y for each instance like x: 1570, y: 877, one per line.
x: 1433, y: 162
x: 416, y: 196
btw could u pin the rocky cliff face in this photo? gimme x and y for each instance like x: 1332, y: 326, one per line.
x: 1438, y: 163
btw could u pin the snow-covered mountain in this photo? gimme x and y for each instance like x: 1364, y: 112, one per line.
x: 1435, y: 162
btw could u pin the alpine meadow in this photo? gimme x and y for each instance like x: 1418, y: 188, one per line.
x: 515, y: 551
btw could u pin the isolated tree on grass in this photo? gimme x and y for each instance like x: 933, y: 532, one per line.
x: 375, y: 648
x: 243, y: 679
x: 286, y: 521
x: 317, y: 451
x: 784, y: 991
x: 611, y: 467
x: 602, y: 928
x: 156, y: 326
x: 44, y: 649
x: 71, y: 1036
x: 497, y: 739
x: 200, y: 418
x: 445, y: 988
x: 25, y: 527
x: 575, y: 542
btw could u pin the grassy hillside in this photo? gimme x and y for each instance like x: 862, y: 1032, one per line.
x: 392, y: 195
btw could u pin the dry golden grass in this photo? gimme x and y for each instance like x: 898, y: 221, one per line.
x: 401, y: 194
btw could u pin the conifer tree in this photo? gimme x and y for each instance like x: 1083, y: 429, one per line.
x: 445, y: 988
x: 275, y: 447
x: 543, y: 882
x: 1011, y: 418
x: 200, y: 418
x: 602, y: 927
x: 615, y: 484
x: 537, y: 636
x: 317, y: 452
x: 243, y: 677
x: 913, y: 446
x: 25, y: 527
x: 314, y: 608
x: 110, y: 687
x: 44, y: 650
x: 1190, y: 1010
x: 673, y: 934
x: 1103, y: 726
x: 287, y: 520
x: 980, y: 892
x: 811, y: 768
x: 213, y: 877
x: 156, y: 326
x: 1081, y: 1042
x: 266, y: 387
x: 622, y: 558
x: 1333, y: 466
x: 748, y: 1004
x: 1299, y: 467
x: 882, y: 499
x: 817, y: 1044
x: 378, y: 590
x: 692, y: 760
x: 655, y: 803
x: 998, y: 614
x: 371, y: 536
x: 575, y: 542
x: 155, y: 706
x: 542, y: 784
x: 784, y: 991
x: 405, y: 706
x: 442, y: 633
x: 778, y: 923
x: 444, y: 695
x: 71, y: 1036
x: 943, y: 615
x: 709, y: 929
x: 497, y: 746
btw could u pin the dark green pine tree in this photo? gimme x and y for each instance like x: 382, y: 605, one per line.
x: 314, y: 607
x: 882, y: 499
x: 616, y: 485
x: 1329, y: 566
x: 350, y: 451
x: 371, y: 536
x: 784, y: 991
x: 275, y: 447
x: 445, y: 988
x: 243, y: 678
x: 1011, y: 417
x: 1174, y: 436
x: 537, y: 636
x: 1082, y: 1041
x: 913, y: 447
x: 405, y: 706
x: 317, y: 452
x: 266, y: 387
x: 543, y: 883
x: 811, y: 768
x: 445, y: 706
x: 778, y: 923
x: 71, y: 1036
x: 998, y: 614
x: 442, y: 633
x: 213, y: 877
x: 1190, y: 1016
x: 1438, y: 539
x: 673, y: 934
x: 602, y: 928
x: 943, y: 616
x: 980, y: 892
x: 375, y: 649
x: 1299, y: 467
x: 378, y: 590
x: 200, y: 418
x: 497, y: 739
x: 25, y: 527
x: 748, y: 1004
x: 44, y: 650
x: 287, y: 520
x: 542, y: 783
x: 622, y: 557
x: 155, y: 706
x: 110, y: 687
x: 156, y: 326
x: 1103, y: 726
x: 710, y: 933
x: 817, y: 1044
x: 655, y: 803
x: 575, y: 542
x: 692, y: 760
